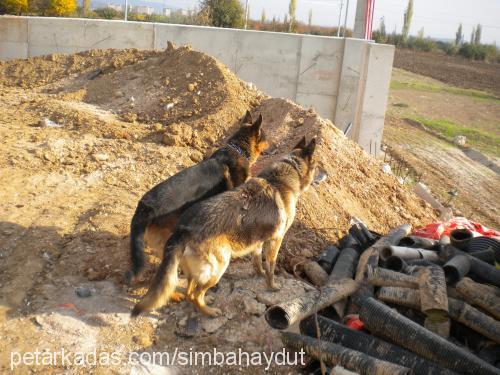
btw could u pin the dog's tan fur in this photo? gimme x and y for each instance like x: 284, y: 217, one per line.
x: 250, y: 219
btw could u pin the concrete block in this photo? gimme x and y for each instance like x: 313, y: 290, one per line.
x: 118, y: 34
x: 376, y: 92
x: 219, y: 43
x: 351, y: 84
x: 48, y: 35
x: 270, y: 60
x: 320, y: 63
x: 14, y: 29
x: 323, y: 104
x: 13, y: 50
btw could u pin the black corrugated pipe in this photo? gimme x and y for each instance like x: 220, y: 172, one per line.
x: 333, y: 354
x: 456, y: 268
x: 328, y: 257
x: 422, y: 263
x: 386, y: 322
x: 383, y: 277
x: 344, y: 269
x: 480, y: 295
x: 487, y: 255
x: 408, y: 253
x: 460, y: 238
x: 348, y: 241
x: 336, y: 333
x: 485, y: 243
x: 457, y: 310
x: 434, y: 300
x: 418, y: 242
x: 285, y: 314
x: 482, y: 270
x: 358, y: 234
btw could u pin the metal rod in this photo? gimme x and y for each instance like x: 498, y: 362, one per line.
x: 345, y: 19
x: 340, y: 17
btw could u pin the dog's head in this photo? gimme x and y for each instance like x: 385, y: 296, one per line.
x: 250, y: 137
x: 303, y: 156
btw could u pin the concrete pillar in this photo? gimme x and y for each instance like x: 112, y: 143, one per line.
x: 364, y: 15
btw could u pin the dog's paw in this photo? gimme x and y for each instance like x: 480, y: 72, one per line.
x: 212, y: 312
x: 209, y: 300
x: 178, y: 297
x: 273, y: 287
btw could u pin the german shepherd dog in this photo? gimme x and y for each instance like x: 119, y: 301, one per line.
x: 249, y: 219
x: 158, y: 210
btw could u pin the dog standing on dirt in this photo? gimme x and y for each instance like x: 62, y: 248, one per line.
x: 159, y: 209
x: 249, y: 219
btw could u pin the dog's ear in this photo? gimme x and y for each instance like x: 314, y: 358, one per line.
x: 301, y: 144
x: 257, y: 125
x: 308, y: 151
x: 248, y: 118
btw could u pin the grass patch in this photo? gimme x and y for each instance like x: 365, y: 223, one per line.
x: 476, y: 94
x: 480, y: 139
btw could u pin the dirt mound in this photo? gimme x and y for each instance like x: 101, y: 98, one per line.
x: 76, y: 156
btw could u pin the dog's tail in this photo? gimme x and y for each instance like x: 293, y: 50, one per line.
x: 137, y: 229
x: 165, y: 280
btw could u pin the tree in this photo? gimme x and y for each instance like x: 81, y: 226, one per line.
x: 473, y: 35
x: 224, y: 13
x: 382, y: 30
x: 285, y: 19
x: 263, y: 16
x: 292, y: 7
x: 477, y: 37
x: 86, y: 8
x: 60, y: 7
x: 407, y: 19
x: 459, y: 36
x: 310, y: 21
x: 13, y: 6
x: 107, y: 13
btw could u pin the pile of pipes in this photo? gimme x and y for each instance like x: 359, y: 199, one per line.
x: 399, y: 304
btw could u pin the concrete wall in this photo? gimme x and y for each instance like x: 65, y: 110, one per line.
x: 346, y: 80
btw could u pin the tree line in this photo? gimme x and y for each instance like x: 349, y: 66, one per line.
x: 471, y: 48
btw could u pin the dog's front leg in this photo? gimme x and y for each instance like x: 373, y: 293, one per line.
x: 271, y: 249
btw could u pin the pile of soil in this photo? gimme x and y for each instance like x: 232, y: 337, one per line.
x: 77, y: 154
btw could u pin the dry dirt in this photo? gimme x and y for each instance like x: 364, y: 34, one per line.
x: 444, y: 166
x: 454, y: 70
x: 68, y: 193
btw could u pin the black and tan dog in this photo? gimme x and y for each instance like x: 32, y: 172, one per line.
x: 249, y: 219
x: 159, y: 209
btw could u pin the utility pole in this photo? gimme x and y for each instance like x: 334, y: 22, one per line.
x: 126, y: 10
x: 340, y: 17
x: 345, y: 19
x: 246, y: 14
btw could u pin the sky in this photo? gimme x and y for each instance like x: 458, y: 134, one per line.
x: 439, y: 18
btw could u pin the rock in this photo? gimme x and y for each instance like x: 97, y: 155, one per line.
x: 83, y: 292
x: 169, y: 106
x: 143, y: 340
x: 191, y: 87
x: 178, y: 135
x: 129, y: 117
x: 253, y: 307
x: 157, y: 127
x: 171, y: 46
x: 460, y: 140
x: 100, y: 157
x: 48, y: 123
x: 211, y: 325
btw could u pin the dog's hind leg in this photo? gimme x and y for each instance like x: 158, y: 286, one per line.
x: 257, y: 262
x: 271, y: 249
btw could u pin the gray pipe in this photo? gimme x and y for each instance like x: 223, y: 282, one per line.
x: 333, y: 354
x: 285, y: 314
x: 408, y: 253
x: 480, y: 295
x: 418, y: 242
x: 383, y: 277
x: 456, y: 268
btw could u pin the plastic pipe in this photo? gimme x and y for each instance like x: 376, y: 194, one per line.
x: 328, y: 257
x: 485, y: 243
x: 487, y: 255
x: 336, y: 333
x: 456, y: 268
x: 383, y: 277
x: 460, y: 238
x: 344, y: 269
x: 315, y: 273
x: 433, y: 294
x: 418, y: 242
x: 333, y: 354
x: 400, y: 296
x: 348, y: 241
x: 384, y: 321
x: 480, y: 295
x: 408, y: 253
x: 285, y: 314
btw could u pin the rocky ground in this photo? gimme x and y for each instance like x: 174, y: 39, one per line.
x: 83, y: 137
